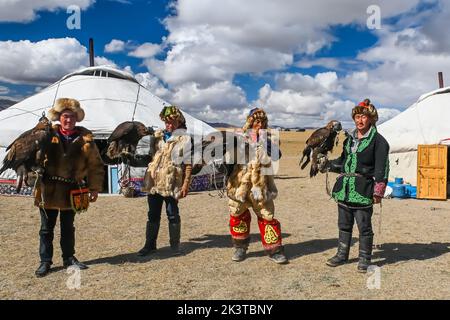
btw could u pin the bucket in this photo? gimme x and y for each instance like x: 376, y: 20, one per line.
x: 411, y: 191
x: 399, y: 191
x: 398, y: 181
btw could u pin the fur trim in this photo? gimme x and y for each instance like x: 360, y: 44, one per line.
x: 163, y: 176
x: 172, y: 113
x: 66, y: 104
x: 86, y: 134
x: 366, y: 108
x: 259, y: 114
x: 248, y: 182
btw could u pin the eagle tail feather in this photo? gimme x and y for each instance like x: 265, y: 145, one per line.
x: 307, y: 154
x: 19, y: 183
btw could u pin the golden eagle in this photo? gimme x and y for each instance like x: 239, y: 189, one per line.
x: 321, y: 141
x: 26, y: 153
x: 124, y: 139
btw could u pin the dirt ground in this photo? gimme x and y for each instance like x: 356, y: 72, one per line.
x: 414, y: 258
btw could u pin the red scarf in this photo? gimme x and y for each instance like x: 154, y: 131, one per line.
x: 66, y: 132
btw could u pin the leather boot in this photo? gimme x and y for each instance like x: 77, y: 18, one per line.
x: 341, y: 257
x: 365, y: 253
x: 151, y: 234
x: 43, y: 270
x: 174, y: 235
x: 73, y: 261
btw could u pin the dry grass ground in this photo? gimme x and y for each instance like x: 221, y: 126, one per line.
x: 414, y: 258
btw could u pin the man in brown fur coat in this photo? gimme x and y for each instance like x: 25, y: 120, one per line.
x: 248, y: 187
x: 72, y: 162
x: 167, y: 178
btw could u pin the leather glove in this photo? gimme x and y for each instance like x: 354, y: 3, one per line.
x: 322, y: 163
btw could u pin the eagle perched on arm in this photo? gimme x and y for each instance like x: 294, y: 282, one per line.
x: 27, y: 152
x: 124, y: 139
x: 321, y: 141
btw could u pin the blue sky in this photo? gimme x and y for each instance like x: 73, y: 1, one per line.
x: 306, y: 62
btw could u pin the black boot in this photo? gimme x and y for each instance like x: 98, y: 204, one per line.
x: 365, y: 253
x: 72, y: 261
x: 151, y: 234
x: 341, y: 257
x: 43, y: 270
x: 174, y: 235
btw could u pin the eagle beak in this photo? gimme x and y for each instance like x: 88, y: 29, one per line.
x: 150, y: 131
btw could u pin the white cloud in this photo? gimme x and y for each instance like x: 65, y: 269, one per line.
x: 115, y: 46
x: 44, y: 61
x: 307, y: 85
x: 402, y: 67
x: 340, y: 110
x: 212, y: 41
x: 385, y: 114
x: 145, y: 50
x: 122, y: 1
x: 292, y: 102
x: 219, y: 96
x: 330, y: 63
x: 26, y: 10
x: 153, y: 84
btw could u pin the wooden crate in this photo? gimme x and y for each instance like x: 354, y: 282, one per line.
x: 432, y: 172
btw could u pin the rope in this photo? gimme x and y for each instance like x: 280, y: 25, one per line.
x: 124, y: 180
x: 42, y: 203
x: 221, y: 192
x: 327, y: 184
x: 378, y: 238
x: 56, y: 93
x: 136, y: 102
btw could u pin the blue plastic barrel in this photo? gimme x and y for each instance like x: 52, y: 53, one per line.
x: 411, y: 191
x: 399, y: 191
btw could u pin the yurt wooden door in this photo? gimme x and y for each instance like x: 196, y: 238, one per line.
x: 432, y: 172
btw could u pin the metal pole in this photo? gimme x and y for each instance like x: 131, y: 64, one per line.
x: 441, y: 80
x: 91, y: 52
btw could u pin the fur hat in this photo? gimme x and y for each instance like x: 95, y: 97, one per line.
x: 172, y: 113
x: 62, y: 104
x: 365, y: 107
x: 256, y: 113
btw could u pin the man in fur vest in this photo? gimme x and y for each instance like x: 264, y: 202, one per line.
x: 364, y: 169
x: 167, y: 178
x: 248, y: 187
x: 72, y: 163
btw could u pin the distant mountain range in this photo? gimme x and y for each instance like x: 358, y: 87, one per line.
x: 227, y: 125
x: 220, y: 125
x: 5, y: 103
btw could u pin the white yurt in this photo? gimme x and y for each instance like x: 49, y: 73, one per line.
x: 425, y: 122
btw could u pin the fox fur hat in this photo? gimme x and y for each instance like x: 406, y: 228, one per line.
x: 62, y: 104
x: 254, y: 114
x: 365, y: 107
x: 172, y: 113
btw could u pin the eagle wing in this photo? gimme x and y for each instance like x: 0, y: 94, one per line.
x: 24, y: 149
x: 318, y: 137
x: 121, y: 131
x: 19, y: 137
